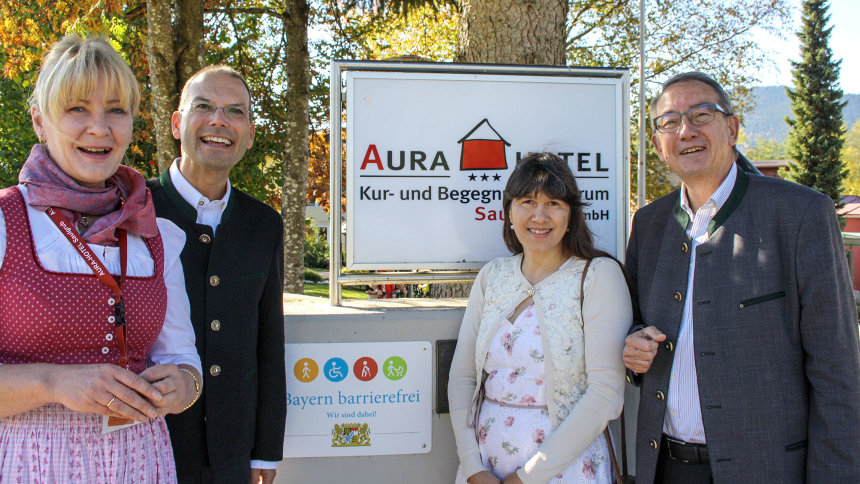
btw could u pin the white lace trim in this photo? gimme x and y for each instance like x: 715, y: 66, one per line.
x: 557, y: 304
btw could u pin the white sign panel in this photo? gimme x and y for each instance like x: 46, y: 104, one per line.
x: 348, y: 399
x: 428, y: 156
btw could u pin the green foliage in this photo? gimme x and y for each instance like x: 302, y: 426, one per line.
x: 815, y: 139
x: 766, y: 149
x: 426, y: 32
x: 312, y: 276
x: 851, y: 158
x: 321, y: 290
x: 16, y: 130
x: 316, y: 247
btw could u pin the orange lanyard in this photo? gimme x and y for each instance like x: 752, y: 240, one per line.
x: 102, y: 273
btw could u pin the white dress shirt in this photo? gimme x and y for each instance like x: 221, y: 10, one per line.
x: 209, y: 212
x: 175, y: 343
x: 683, y: 418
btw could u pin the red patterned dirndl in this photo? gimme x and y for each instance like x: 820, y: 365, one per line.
x: 62, y: 318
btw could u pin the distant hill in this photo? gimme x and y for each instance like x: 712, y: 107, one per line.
x: 767, y: 119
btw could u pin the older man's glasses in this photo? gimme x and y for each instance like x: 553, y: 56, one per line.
x: 230, y: 112
x: 698, y: 115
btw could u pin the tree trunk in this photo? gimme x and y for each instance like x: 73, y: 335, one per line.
x: 512, y: 31
x: 162, y: 76
x: 189, y: 40
x: 294, y: 191
x: 507, y: 32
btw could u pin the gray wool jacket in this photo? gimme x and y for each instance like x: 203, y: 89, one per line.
x: 776, y: 334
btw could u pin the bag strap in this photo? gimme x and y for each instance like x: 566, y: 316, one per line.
x: 618, y: 475
x: 618, y: 478
x: 582, y: 286
x: 623, y: 444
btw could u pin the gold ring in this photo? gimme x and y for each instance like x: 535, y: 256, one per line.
x: 111, y: 401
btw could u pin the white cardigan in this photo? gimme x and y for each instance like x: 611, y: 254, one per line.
x: 585, y: 383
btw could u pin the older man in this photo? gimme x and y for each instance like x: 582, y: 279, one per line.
x: 233, y: 263
x: 746, y: 338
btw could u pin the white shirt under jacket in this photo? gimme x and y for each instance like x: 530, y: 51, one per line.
x: 683, y: 418
x: 584, y: 382
x: 175, y: 343
x: 209, y: 212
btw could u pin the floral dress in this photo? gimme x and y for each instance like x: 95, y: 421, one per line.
x: 510, y: 435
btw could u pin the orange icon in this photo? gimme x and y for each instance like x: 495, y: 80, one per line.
x: 306, y: 370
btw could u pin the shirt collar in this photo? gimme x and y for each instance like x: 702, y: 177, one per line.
x: 187, y: 191
x: 719, y: 197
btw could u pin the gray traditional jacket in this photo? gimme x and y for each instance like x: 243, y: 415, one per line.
x: 776, y: 335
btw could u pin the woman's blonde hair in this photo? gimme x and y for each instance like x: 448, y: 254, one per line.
x: 73, y: 68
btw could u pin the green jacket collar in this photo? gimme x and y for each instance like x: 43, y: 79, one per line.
x: 738, y: 191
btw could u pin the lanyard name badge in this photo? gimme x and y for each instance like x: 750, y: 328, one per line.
x: 109, y: 423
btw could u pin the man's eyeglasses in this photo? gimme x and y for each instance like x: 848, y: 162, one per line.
x: 698, y: 115
x: 230, y: 112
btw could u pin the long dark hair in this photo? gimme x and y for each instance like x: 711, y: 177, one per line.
x: 548, y: 174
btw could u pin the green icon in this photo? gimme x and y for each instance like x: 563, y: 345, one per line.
x: 394, y: 368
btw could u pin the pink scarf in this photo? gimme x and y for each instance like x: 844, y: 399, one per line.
x: 124, y: 202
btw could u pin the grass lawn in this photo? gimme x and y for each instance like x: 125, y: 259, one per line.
x: 321, y: 290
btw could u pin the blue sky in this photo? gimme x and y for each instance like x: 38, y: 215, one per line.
x: 844, y: 42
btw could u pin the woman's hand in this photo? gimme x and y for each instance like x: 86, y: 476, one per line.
x: 104, y: 389
x: 512, y: 478
x: 176, y: 385
x: 483, y: 477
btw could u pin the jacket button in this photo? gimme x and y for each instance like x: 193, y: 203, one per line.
x: 669, y: 346
x: 214, y: 281
x: 214, y: 370
x: 678, y: 297
x: 204, y: 238
x: 215, y: 325
x: 653, y: 444
x: 685, y: 248
x: 661, y: 396
x: 105, y: 350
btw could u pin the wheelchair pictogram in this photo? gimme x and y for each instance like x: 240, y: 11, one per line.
x: 335, y: 369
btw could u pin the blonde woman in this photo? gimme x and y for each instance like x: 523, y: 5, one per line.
x: 94, y: 320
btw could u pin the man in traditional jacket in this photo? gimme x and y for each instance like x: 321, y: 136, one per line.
x: 745, y: 341
x: 233, y: 264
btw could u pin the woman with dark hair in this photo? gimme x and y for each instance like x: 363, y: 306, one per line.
x: 537, y: 373
x: 96, y: 343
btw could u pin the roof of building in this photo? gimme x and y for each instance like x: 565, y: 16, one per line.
x: 770, y: 164
x: 851, y: 206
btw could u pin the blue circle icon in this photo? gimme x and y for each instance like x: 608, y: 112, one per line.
x: 335, y: 369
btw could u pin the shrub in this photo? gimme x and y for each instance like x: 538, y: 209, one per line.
x: 316, y: 247
x: 312, y: 276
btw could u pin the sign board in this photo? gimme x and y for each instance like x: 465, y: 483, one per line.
x: 349, y: 399
x: 429, y: 153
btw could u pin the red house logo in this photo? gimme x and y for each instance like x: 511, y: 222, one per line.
x: 483, y: 148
